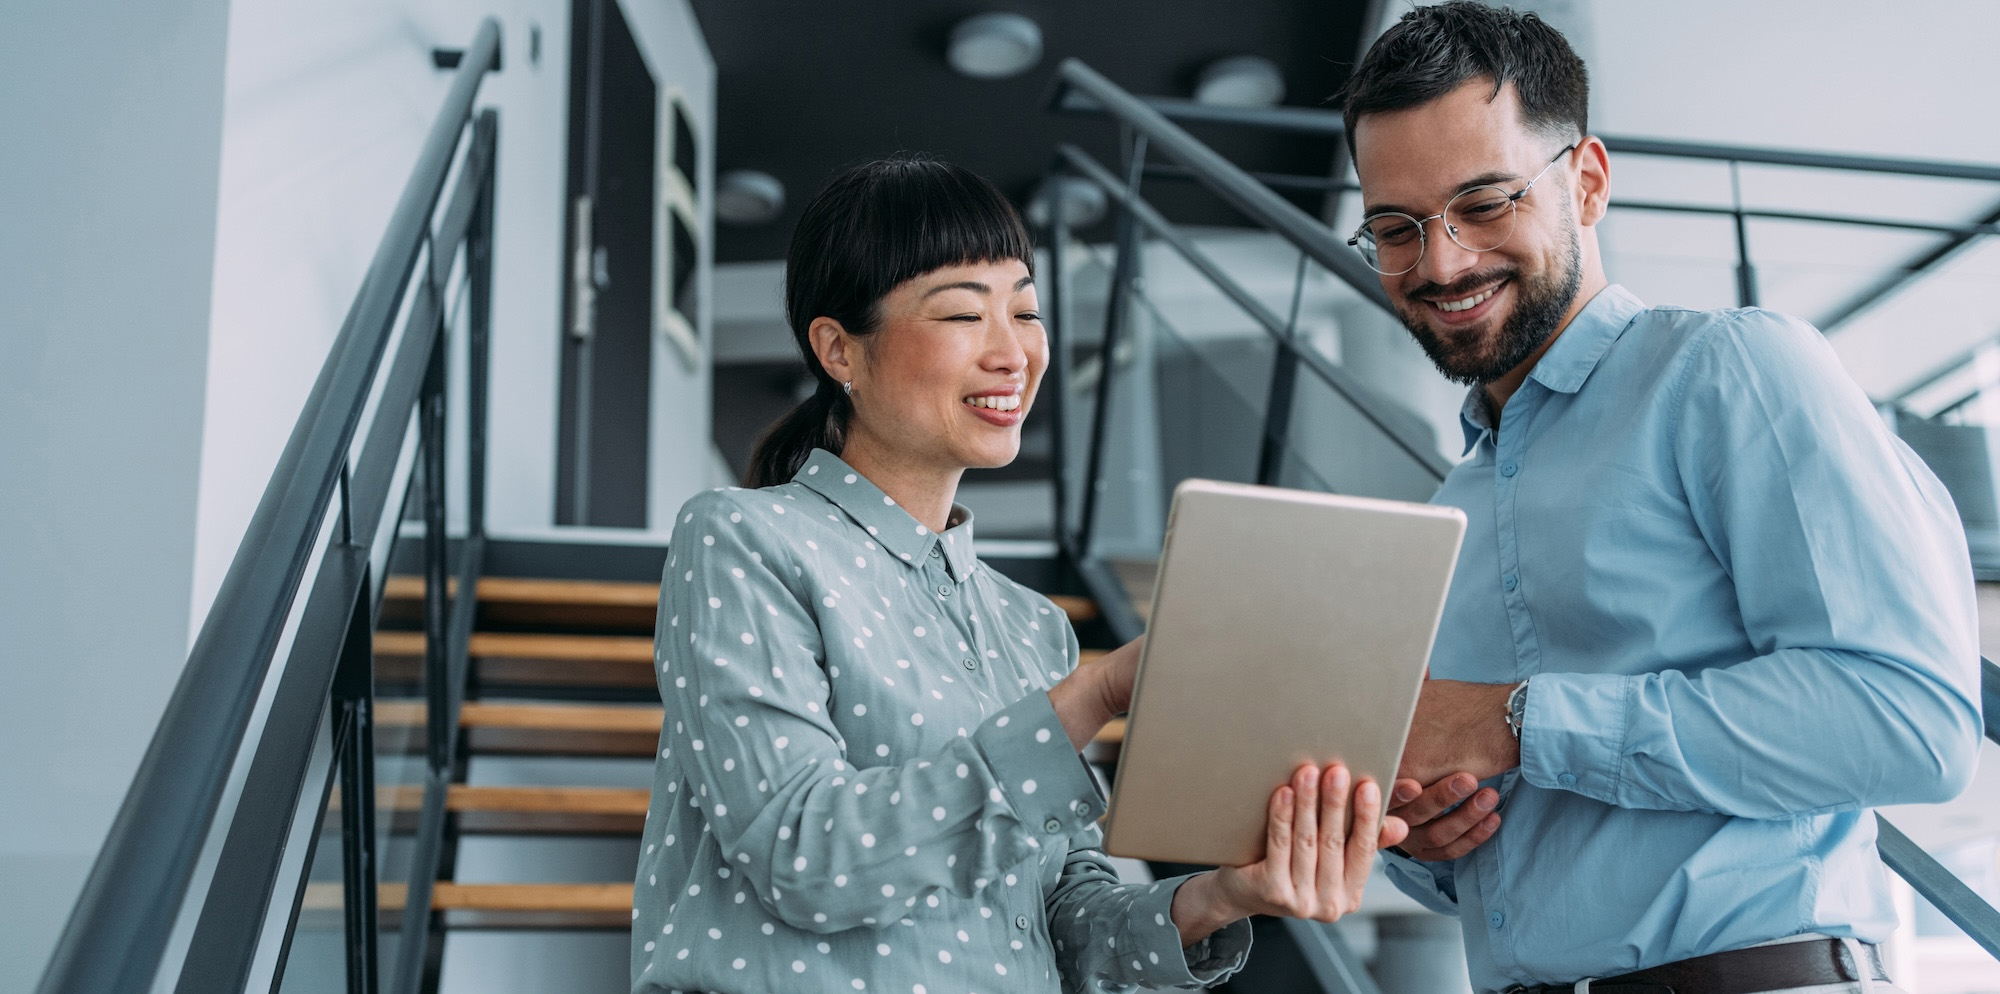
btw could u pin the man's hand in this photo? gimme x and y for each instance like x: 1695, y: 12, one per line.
x: 1435, y: 834
x: 1460, y: 727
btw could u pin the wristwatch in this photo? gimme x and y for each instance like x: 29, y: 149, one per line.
x: 1517, y: 708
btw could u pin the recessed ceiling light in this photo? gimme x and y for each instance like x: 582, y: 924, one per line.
x: 994, y: 45
x: 746, y: 196
x: 1240, y: 81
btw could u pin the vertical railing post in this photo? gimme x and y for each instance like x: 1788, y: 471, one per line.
x: 437, y: 600
x: 1056, y: 321
x: 1284, y: 382
x: 1746, y: 275
x: 1124, y: 277
x: 354, y: 714
x: 479, y: 274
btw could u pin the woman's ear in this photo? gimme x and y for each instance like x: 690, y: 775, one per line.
x: 836, y: 349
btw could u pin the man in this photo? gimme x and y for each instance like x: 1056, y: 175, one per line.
x: 1708, y: 610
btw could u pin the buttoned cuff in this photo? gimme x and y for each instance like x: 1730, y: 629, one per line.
x: 1042, y: 778
x: 1433, y: 885
x: 1159, y: 955
x: 1574, y: 732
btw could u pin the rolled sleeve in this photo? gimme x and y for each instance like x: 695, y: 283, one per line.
x: 1433, y: 885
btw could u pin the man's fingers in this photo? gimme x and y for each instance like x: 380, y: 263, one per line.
x: 1435, y: 799
x: 1445, y: 830
x: 1306, y: 828
x: 1470, y: 840
x: 1404, y: 792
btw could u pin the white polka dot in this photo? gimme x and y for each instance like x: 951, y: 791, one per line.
x: 944, y: 956
x: 811, y: 470
x: 860, y: 709
x: 798, y: 965
x: 1012, y: 880
x: 781, y: 742
x: 714, y: 602
x: 1027, y: 786
x: 902, y: 664
x: 850, y: 478
x: 1042, y: 735
x: 737, y: 963
x: 799, y: 864
x: 962, y: 770
x: 886, y: 499
x: 918, y: 631
x: 1002, y: 970
x: 882, y: 750
x: 858, y: 984
x: 861, y: 562
x: 697, y: 745
x: 685, y: 518
x: 721, y: 809
x: 917, y: 719
x: 937, y: 814
x: 882, y: 949
x: 840, y: 880
x: 1001, y: 722
x: 708, y: 540
x: 810, y: 544
x: 778, y: 508
x: 715, y: 933
x: 741, y: 720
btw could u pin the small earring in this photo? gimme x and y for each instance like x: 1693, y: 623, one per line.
x: 848, y: 387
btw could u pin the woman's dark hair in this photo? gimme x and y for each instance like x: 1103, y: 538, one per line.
x: 872, y: 228
x: 1434, y: 50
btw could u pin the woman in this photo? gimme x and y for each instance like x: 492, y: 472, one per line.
x: 868, y: 777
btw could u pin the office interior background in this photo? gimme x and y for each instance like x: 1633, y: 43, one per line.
x: 203, y: 207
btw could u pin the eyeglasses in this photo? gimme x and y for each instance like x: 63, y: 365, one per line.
x: 1479, y: 219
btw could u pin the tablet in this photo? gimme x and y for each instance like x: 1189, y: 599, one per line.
x: 1287, y: 627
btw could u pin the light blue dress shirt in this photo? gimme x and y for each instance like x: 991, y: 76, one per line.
x: 1745, y: 611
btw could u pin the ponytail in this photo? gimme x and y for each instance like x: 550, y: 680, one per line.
x: 818, y: 423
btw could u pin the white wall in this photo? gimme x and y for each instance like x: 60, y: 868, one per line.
x: 110, y: 119
x: 327, y: 105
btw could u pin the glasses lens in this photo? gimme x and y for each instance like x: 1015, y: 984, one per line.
x: 1481, y: 218
x: 1392, y: 243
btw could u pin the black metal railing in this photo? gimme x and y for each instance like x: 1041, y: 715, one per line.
x: 307, y: 568
x: 1147, y: 126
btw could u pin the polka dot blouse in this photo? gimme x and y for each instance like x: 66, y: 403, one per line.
x: 861, y: 783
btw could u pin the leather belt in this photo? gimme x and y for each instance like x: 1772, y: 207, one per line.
x: 1737, y: 971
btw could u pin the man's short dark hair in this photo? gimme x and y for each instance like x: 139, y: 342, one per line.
x: 1434, y: 50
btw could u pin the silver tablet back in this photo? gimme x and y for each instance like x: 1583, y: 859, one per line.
x: 1287, y: 626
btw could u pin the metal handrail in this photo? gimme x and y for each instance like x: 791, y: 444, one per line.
x: 1339, y: 380
x: 1319, y: 121
x: 117, y: 932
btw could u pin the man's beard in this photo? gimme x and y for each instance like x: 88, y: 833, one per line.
x: 1538, y: 307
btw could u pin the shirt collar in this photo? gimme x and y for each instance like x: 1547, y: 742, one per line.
x: 1570, y: 360
x: 903, y: 535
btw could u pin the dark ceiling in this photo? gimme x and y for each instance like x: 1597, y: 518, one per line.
x: 806, y: 89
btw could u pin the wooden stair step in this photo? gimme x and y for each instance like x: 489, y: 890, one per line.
x: 524, y: 658
x: 513, y: 810
x: 512, y: 728
x: 504, y: 905
x: 524, y: 601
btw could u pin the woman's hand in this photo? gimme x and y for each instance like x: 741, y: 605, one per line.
x: 1312, y: 867
x: 1096, y: 692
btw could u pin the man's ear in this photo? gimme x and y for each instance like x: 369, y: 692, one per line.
x: 1593, y: 181
x: 837, y: 350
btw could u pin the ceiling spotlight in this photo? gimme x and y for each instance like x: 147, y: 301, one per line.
x: 1081, y: 203
x: 1240, y: 81
x: 994, y: 45
x: 746, y: 196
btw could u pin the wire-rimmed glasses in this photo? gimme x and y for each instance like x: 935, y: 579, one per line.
x: 1479, y: 219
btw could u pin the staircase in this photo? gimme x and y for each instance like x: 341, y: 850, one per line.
x: 559, y: 668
